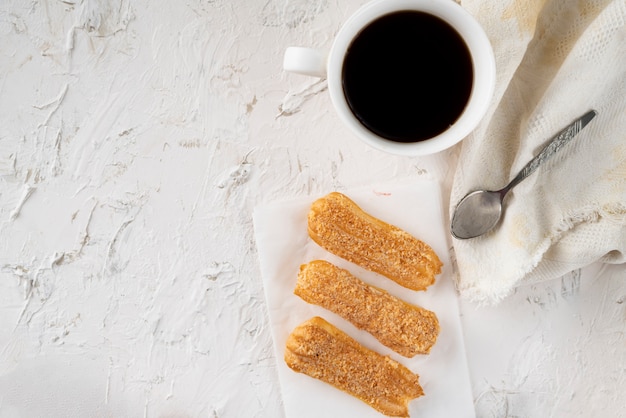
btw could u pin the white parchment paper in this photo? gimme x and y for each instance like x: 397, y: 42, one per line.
x: 283, y: 245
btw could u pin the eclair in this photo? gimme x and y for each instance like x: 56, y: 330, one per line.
x: 406, y: 329
x: 341, y: 227
x: 322, y: 351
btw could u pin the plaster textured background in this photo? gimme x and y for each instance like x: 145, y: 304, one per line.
x: 135, y: 140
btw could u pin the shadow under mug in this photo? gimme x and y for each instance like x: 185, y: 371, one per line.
x: 369, y: 21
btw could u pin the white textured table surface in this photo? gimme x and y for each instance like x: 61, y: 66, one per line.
x: 136, y: 138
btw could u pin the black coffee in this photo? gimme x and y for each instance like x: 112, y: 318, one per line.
x: 407, y: 76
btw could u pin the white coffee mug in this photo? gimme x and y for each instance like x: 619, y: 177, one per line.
x: 312, y: 62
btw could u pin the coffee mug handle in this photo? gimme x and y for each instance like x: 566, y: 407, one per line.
x: 306, y: 61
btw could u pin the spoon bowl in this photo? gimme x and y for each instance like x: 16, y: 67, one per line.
x: 476, y: 213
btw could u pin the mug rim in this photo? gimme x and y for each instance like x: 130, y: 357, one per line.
x: 483, y: 82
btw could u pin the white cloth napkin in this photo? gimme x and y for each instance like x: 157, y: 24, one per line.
x: 556, y: 59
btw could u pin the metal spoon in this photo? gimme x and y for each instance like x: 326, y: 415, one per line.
x: 479, y: 211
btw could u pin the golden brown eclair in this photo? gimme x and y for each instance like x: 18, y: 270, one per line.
x: 338, y: 225
x: 407, y: 329
x: 320, y: 350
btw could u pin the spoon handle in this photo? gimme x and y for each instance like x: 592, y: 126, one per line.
x: 557, y: 142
